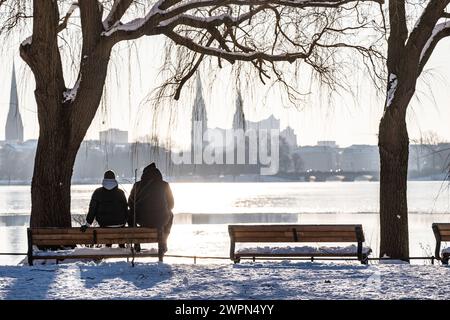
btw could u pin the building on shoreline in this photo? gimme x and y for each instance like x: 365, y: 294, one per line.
x: 113, y: 151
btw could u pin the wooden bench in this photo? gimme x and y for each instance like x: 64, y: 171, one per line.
x: 297, y: 233
x: 70, y: 237
x: 441, y: 233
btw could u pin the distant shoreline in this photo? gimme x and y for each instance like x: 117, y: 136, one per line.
x: 442, y: 178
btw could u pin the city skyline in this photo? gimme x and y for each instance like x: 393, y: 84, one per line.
x: 344, y: 121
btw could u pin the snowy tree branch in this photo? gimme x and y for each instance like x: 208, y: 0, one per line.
x: 425, y: 27
x: 117, y: 11
x: 440, y: 32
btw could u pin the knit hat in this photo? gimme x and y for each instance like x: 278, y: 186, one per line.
x: 109, y: 175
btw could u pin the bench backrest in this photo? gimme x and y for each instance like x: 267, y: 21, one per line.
x: 441, y: 233
x: 442, y: 230
x: 296, y: 233
x: 72, y: 236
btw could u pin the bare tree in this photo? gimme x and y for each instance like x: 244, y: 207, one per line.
x: 263, y: 33
x: 408, y: 53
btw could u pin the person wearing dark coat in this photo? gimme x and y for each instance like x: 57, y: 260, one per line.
x: 151, y: 202
x: 108, y: 205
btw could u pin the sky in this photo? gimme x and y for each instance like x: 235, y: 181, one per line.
x: 133, y: 74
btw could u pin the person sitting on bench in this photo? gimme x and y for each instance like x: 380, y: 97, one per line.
x: 151, y: 203
x: 108, y: 205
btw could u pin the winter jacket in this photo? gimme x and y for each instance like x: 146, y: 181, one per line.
x: 108, y: 207
x: 152, y: 199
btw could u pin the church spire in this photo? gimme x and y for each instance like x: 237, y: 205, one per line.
x: 239, y: 117
x: 199, y: 116
x: 14, y: 126
x: 199, y: 109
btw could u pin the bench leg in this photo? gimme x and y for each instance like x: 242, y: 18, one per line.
x: 365, y: 260
x: 445, y: 259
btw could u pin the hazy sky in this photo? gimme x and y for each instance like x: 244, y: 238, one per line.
x: 348, y: 121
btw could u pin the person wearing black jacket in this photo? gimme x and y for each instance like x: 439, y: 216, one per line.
x: 108, y: 205
x: 151, y: 203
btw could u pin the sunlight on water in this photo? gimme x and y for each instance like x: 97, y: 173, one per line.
x: 329, y: 197
x: 203, y: 210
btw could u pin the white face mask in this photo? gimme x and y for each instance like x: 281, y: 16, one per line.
x: 109, y: 184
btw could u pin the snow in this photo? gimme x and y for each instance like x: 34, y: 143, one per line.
x: 265, y: 280
x: 393, y: 82
x: 351, y: 250
x: 446, y: 250
x: 437, y: 29
x: 70, y: 94
x: 27, y: 41
x: 134, y: 24
x: 89, y: 251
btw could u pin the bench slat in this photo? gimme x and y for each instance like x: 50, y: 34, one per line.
x: 443, y: 226
x: 290, y: 233
x: 264, y: 234
x: 127, y: 240
x: 76, y: 237
x: 299, y: 228
x: 73, y: 237
x: 62, y: 242
x: 36, y: 231
x: 268, y: 239
x: 143, y: 236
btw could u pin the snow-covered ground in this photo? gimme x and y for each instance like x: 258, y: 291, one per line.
x: 248, y: 280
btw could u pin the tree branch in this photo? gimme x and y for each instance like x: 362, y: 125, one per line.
x: 232, y: 56
x: 91, y: 24
x: 398, y: 34
x: 63, y: 24
x: 42, y: 54
x: 440, y: 32
x: 425, y: 27
x: 168, y: 9
x: 117, y: 11
x: 299, y: 4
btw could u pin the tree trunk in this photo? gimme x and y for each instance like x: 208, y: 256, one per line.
x: 50, y: 189
x: 394, y: 151
x: 63, y: 120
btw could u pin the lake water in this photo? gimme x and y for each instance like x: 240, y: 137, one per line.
x: 202, y: 211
